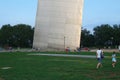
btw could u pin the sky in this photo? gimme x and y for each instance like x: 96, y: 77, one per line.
x: 95, y: 12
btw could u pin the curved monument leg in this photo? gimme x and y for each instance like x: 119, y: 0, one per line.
x: 58, y: 24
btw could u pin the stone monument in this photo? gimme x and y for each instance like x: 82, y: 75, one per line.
x: 58, y: 24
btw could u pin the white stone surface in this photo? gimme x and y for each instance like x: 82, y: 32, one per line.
x: 58, y: 24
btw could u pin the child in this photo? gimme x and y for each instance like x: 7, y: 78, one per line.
x: 113, y: 59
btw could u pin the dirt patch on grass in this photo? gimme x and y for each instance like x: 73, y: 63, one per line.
x: 6, y: 68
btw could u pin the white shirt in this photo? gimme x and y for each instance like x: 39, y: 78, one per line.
x: 98, y: 53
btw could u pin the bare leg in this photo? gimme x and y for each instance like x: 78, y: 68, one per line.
x: 113, y: 64
x: 98, y: 65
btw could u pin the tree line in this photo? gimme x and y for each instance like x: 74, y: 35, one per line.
x: 21, y: 35
x: 104, y: 35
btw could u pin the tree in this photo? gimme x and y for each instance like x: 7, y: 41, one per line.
x: 6, y: 35
x: 103, y: 35
x: 87, y: 39
x: 18, y: 35
x: 116, y: 34
x: 23, y: 35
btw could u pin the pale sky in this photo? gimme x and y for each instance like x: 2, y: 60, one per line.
x: 95, y: 12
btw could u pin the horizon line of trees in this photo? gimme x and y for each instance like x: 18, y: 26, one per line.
x: 104, y: 35
x: 21, y: 35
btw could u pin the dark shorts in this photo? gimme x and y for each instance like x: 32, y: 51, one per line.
x: 99, y: 60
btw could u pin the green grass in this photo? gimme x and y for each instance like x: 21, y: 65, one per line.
x: 26, y: 67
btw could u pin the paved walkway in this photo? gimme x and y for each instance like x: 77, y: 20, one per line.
x: 64, y: 55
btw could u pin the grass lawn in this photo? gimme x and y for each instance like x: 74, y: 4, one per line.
x: 26, y: 67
